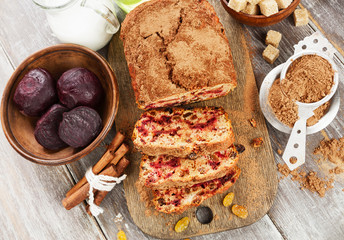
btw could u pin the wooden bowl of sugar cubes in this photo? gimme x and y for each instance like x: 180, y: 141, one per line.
x: 260, y: 13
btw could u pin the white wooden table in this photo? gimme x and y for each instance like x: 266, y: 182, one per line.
x: 30, y: 199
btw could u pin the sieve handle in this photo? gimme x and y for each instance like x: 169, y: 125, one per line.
x: 296, y: 146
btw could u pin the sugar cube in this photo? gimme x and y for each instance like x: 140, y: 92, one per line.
x: 273, y: 38
x: 282, y: 4
x: 237, y: 5
x: 301, y: 17
x: 268, y: 7
x: 253, y: 2
x: 251, y: 9
x: 270, y: 54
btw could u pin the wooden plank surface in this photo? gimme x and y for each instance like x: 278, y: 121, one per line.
x: 24, y: 30
x: 258, y: 176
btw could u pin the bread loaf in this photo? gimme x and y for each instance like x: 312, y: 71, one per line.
x: 178, y: 199
x: 183, y: 132
x: 177, y: 53
x: 165, y: 171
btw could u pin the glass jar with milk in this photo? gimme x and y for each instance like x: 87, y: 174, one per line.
x: 90, y: 23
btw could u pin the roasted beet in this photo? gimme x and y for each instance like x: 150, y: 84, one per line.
x: 46, y: 131
x: 79, y: 87
x: 35, y: 93
x: 80, y: 126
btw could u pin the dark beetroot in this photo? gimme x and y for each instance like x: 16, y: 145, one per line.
x: 79, y: 87
x: 80, y: 126
x: 35, y: 93
x: 46, y: 131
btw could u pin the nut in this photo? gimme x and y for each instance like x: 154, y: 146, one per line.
x: 257, y: 142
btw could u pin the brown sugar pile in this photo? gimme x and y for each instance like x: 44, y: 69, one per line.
x: 309, y: 180
x: 333, y: 151
x: 286, y: 109
x: 309, y: 79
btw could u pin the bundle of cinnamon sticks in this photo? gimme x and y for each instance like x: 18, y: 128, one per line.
x: 112, y: 163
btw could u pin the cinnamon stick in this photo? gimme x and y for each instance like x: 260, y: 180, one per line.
x: 105, y: 159
x: 100, y: 195
x: 82, y: 193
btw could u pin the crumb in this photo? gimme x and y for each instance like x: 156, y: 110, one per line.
x: 332, y: 150
x: 283, y: 169
x: 257, y: 142
x: 279, y: 151
x: 118, y: 218
x: 253, y: 122
x: 310, y: 181
x: 216, y: 217
x: 293, y: 160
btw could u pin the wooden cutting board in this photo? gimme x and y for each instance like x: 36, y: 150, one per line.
x: 257, y: 185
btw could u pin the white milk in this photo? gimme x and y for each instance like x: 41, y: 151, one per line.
x: 82, y: 25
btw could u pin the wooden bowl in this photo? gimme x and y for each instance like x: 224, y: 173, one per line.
x: 261, y: 20
x: 57, y: 59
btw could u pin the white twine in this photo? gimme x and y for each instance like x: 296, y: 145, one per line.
x: 101, y: 183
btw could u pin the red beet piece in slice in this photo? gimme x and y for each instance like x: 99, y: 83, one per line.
x: 80, y: 126
x: 79, y: 87
x: 46, y: 131
x: 35, y: 93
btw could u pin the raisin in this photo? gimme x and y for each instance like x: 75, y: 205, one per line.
x: 227, y: 201
x: 161, y: 201
x: 182, y: 224
x: 193, y: 117
x: 170, y: 110
x: 176, y: 118
x: 240, y: 211
x: 185, y: 115
x: 121, y: 235
x: 240, y: 148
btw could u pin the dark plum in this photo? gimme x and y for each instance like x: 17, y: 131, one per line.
x: 80, y: 126
x: 79, y: 87
x: 35, y: 92
x: 46, y: 131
